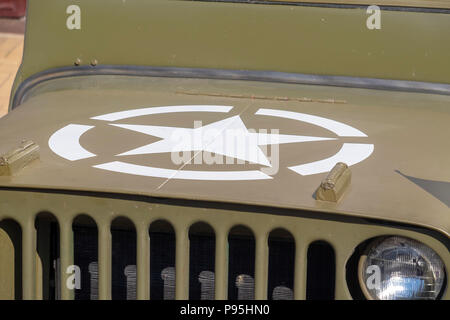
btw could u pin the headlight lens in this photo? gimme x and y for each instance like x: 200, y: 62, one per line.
x: 396, y: 268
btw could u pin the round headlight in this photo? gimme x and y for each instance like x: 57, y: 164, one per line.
x: 396, y: 268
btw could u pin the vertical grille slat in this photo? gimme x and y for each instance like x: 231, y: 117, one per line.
x: 221, y: 265
x: 300, y: 274
x: 66, y: 254
x: 182, y: 264
x: 143, y: 263
x: 261, y: 266
x: 29, y: 260
x: 104, y: 261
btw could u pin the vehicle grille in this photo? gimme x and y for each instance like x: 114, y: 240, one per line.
x: 241, y: 267
x: 146, y: 248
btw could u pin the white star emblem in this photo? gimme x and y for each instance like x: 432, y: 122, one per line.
x: 229, y: 137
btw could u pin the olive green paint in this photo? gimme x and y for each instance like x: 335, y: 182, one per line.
x: 344, y: 235
x: 298, y: 39
x: 295, y: 39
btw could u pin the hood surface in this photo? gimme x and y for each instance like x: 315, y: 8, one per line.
x: 113, y: 134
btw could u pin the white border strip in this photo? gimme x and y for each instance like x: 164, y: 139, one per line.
x: 350, y: 154
x: 157, y: 110
x: 128, y: 168
x: 338, y: 128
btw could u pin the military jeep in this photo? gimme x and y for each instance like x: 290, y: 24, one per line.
x: 228, y: 150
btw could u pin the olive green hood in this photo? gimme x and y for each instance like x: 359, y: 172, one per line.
x: 85, y: 131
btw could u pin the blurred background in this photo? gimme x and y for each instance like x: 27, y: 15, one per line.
x: 12, y: 28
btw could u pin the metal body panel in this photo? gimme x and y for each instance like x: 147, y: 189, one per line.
x: 287, y: 57
x: 377, y: 189
x: 306, y: 227
x: 310, y: 40
x: 400, y: 3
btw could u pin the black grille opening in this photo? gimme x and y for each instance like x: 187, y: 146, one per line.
x: 123, y: 260
x: 202, y: 248
x: 47, y: 243
x: 10, y: 260
x: 85, y: 236
x: 241, y: 268
x: 162, y: 261
x: 321, y: 271
x: 281, y: 265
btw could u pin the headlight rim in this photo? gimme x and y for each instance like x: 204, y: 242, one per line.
x: 375, y: 242
x: 362, y: 261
